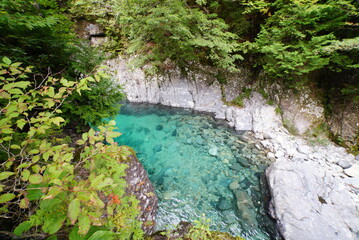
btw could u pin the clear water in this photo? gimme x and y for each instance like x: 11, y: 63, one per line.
x: 198, y: 167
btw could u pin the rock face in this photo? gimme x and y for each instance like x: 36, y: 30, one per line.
x: 314, y: 189
x: 302, y: 112
x: 139, y: 185
x: 345, y: 121
x: 315, y: 206
x: 91, y: 31
x: 178, y: 91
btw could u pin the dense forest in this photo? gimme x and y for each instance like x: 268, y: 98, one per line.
x: 53, y: 88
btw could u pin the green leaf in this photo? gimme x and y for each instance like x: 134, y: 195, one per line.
x: 57, y: 120
x: 46, y: 155
x: 14, y: 146
x: 34, y: 151
x: 34, y: 194
x: 7, y: 197
x: 95, y: 182
x: 35, y: 179
x: 25, y: 175
x: 51, y: 92
x: 84, y: 224
x: 102, y: 235
x: 7, y: 130
x: 23, y: 227
x: 24, y: 203
x: 104, y: 183
x: 74, y: 210
x: 20, y: 123
x: 53, y: 222
x: 6, y: 60
x: 5, y: 175
x: 15, y: 91
x: 21, y: 84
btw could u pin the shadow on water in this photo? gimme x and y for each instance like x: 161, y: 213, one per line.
x: 199, y: 166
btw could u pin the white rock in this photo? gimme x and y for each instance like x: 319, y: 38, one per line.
x: 301, y: 193
x: 353, y: 171
x: 304, y: 149
x: 270, y: 155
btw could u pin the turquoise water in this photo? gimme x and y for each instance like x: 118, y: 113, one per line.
x: 198, y: 167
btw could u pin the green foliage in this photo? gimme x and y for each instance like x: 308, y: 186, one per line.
x: 239, y: 100
x: 35, y: 33
x: 304, y: 36
x: 318, y: 134
x: 165, y: 32
x: 101, y: 100
x: 49, y: 186
x: 200, y: 230
x: 289, y: 126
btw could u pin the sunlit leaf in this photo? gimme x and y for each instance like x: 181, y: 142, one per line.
x: 74, y: 210
x: 5, y: 175
x: 35, y: 179
x: 7, y: 197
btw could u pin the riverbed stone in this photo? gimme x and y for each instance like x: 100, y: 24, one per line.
x: 304, y: 149
x: 213, y: 151
x: 353, y: 171
x: 159, y: 127
x: 224, y: 204
x: 236, y: 167
x: 243, y: 162
x: 234, y: 185
x: 344, y: 164
x: 157, y: 148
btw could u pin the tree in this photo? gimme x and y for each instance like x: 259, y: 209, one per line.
x: 301, y: 36
x: 159, y: 32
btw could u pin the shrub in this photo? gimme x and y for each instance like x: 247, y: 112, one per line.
x: 48, y: 187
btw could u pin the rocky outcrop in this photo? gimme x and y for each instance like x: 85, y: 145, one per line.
x: 314, y: 188
x: 139, y: 184
x: 91, y: 31
x: 300, y: 111
x: 344, y: 121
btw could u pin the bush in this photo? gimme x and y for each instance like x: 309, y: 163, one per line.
x: 48, y: 187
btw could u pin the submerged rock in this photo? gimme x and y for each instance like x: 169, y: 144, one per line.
x: 234, y: 185
x: 224, y: 204
x: 213, y: 151
x: 243, y: 161
x: 159, y: 127
x: 236, y: 167
x: 157, y: 148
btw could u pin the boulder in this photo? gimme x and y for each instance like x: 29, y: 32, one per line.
x: 139, y: 184
x: 310, y: 204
